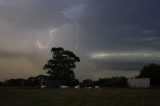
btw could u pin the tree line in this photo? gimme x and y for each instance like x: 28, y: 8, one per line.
x: 61, y: 67
x: 34, y: 82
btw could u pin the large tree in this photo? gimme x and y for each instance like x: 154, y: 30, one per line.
x: 150, y: 71
x: 62, y: 64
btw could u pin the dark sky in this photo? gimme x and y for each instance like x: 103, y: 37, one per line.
x: 112, y: 37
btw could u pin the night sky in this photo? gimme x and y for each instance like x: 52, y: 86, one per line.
x: 111, y: 37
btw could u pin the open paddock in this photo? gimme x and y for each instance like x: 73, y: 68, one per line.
x: 80, y: 97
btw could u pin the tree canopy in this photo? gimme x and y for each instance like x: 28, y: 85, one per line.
x: 87, y: 83
x: 62, y: 64
x: 150, y: 71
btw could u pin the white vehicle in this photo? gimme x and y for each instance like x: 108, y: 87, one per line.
x: 89, y: 87
x: 63, y: 86
x: 76, y: 87
x: 97, y: 87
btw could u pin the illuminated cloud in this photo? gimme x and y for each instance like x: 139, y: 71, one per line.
x: 149, y: 39
x: 128, y: 55
x: 149, y: 32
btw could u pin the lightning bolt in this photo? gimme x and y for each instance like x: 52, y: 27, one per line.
x: 77, y: 25
x: 69, y: 14
x: 51, y: 34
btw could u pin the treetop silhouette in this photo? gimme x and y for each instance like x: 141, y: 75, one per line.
x: 62, y: 64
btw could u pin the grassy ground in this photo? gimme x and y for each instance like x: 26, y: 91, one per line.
x: 80, y: 97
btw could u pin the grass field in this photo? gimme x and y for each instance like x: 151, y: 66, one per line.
x: 80, y: 97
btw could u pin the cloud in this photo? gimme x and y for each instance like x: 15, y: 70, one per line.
x: 126, y: 61
x: 150, y: 32
x: 126, y: 55
x: 126, y: 33
x: 17, y: 68
x: 118, y: 25
x: 149, y: 39
x: 11, y: 54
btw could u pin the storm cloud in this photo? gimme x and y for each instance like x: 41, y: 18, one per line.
x: 112, y: 37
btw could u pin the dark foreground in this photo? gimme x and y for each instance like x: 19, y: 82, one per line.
x: 80, y: 97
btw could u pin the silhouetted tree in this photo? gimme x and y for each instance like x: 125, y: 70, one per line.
x: 62, y: 64
x: 74, y: 82
x: 103, y: 82
x: 35, y: 81
x: 150, y: 71
x: 16, y: 82
x: 87, y: 83
x: 1, y: 83
x: 112, y: 82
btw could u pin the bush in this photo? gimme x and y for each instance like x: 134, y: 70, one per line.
x: 112, y: 82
